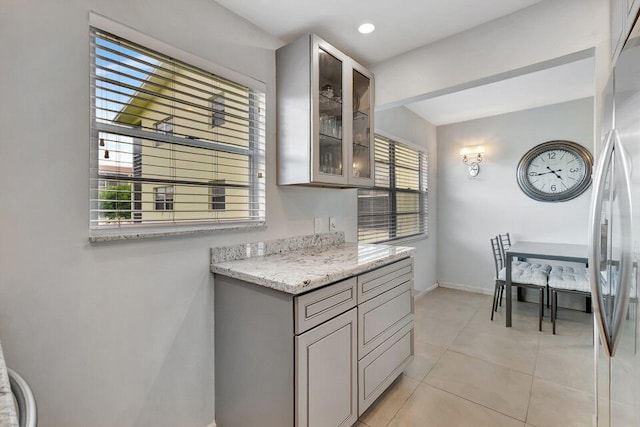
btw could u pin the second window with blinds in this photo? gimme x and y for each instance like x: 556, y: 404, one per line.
x: 396, y: 207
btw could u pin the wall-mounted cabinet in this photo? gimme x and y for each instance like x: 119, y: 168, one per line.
x: 325, y: 116
x: 623, y: 15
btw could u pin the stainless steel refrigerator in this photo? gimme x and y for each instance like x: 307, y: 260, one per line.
x: 615, y: 245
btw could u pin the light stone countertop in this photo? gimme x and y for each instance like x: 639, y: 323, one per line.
x: 303, y: 263
x: 8, y: 417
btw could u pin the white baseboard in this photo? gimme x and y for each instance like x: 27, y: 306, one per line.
x: 466, y: 288
x: 420, y: 294
x: 213, y: 424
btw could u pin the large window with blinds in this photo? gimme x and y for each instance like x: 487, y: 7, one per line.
x: 396, y: 207
x: 172, y: 144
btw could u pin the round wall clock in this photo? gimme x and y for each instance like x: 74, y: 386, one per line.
x: 555, y: 171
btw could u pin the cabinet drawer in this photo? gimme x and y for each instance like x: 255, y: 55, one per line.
x: 375, y: 282
x: 383, y: 365
x: 382, y: 316
x: 323, y: 304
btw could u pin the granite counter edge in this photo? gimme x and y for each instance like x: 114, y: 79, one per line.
x: 312, y: 283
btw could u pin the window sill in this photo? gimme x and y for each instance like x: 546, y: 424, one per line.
x: 100, y: 236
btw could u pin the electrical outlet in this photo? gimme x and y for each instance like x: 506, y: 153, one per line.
x: 332, y: 224
x: 317, y: 225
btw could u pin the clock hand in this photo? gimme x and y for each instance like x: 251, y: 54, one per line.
x: 554, y: 172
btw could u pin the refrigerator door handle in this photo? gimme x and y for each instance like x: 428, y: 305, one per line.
x: 614, y: 154
x: 622, y: 162
x: 594, y: 241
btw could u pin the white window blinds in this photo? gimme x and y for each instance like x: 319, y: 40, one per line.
x: 396, y: 207
x: 166, y: 136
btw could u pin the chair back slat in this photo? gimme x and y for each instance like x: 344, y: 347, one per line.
x: 498, y: 259
x: 505, y: 243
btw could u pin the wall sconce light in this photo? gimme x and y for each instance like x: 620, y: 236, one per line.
x: 471, y: 156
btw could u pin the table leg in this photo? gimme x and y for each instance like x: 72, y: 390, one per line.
x: 508, y: 289
x: 520, y: 294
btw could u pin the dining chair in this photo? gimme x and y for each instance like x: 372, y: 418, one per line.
x: 504, y: 243
x: 500, y: 283
x: 569, y: 280
x: 523, y: 274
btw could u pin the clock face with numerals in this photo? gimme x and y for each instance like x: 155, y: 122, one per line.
x: 555, y: 171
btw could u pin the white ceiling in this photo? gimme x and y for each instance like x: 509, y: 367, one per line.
x: 562, y: 83
x: 400, y: 25
x: 407, y: 24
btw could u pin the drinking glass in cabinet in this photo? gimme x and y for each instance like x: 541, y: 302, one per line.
x: 330, y: 110
x: 330, y: 160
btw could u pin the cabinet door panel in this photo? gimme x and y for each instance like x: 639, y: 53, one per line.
x: 362, y: 146
x: 382, y: 316
x: 326, y: 374
x: 383, y: 365
x: 329, y: 150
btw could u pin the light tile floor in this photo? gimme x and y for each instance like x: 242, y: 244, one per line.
x: 470, y: 371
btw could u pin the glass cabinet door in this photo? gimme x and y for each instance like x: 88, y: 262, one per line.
x: 330, y: 111
x: 361, y: 126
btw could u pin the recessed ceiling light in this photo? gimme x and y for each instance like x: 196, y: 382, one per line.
x: 366, y: 28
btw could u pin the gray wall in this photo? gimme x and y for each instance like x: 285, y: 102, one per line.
x: 116, y: 334
x: 472, y: 210
x: 406, y: 125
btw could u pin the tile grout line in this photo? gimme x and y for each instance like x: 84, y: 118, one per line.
x: 473, y: 356
x: 533, y: 376
x: 464, y: 327
x: 480, y: 358
x: 476, y: 403
x: 404, y: 402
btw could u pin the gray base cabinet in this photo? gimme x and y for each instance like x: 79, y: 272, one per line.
x: 318, y: 359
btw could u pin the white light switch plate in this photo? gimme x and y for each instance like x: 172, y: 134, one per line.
x: 318, y: 225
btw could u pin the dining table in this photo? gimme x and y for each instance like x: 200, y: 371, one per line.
x: 566, y: 252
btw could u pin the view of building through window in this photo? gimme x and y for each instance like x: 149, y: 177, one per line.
x: 172, y: 144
